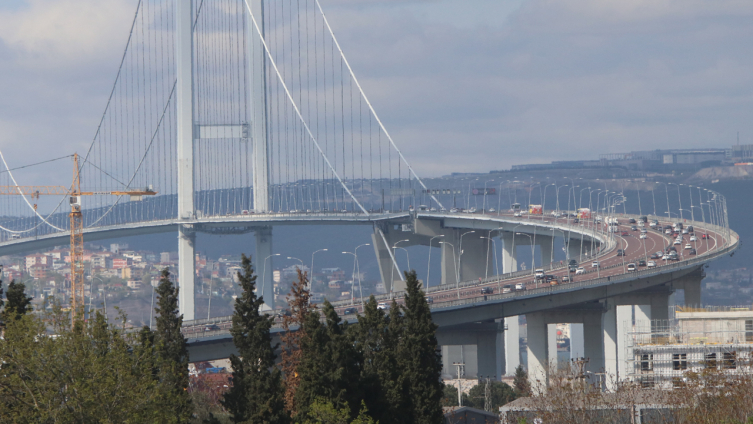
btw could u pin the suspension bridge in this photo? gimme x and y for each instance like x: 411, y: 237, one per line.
x: 237, y: 116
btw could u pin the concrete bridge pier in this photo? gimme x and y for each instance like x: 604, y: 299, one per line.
x: 265, y: 265
x: 691, y: 285
x: 545, y: 247
x: 511, y: 339
x: 485, y: 336
x: 574, y: 249
x: 509, y: 259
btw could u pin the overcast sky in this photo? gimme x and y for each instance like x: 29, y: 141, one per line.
x: 462, y: 85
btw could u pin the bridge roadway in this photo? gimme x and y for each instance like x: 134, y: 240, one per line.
x: 476, y: 312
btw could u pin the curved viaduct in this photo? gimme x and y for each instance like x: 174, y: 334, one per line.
x: 472, y: 306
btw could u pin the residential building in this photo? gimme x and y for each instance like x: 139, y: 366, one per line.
x: 38, y: 259
x: 663, y: 352
x: 120, y: 263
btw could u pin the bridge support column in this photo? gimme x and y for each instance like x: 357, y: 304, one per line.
x: 184, y: 142
x: 265, y: 265
x: 538, y: 351
x: 509, y: 260
x: 691, y: 285
x: 576, y: 341
x: 484, y: 336
x: 592, y: 345
x: 186, y: 271
x: 475, y: 259
x: 545, y: 246
x: 258, y: 108
x: 512, y: 344
x: 610, y: 343
x: 573, y: 249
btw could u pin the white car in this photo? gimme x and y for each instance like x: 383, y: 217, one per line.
x: 693, y: 238
x: 517, y: 214
x: 688, y: 246
x: 454, y: 210
x: 595, y: 264
x: 631, y: 267
x: 643, y: 236
x: 490, y: 210
x: 685, y: 231
x: 651, y: 264
x: 520, y: 286
x: 539, y: 273
x: 382, y: 305
x: 665, y: 257
x: 667, y: 231
x: 580, y: 271
x: 677, y: 242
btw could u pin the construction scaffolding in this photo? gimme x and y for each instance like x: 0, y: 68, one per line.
x: 661, y: 352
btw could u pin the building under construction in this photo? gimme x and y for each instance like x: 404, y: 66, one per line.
x: 661, y: 353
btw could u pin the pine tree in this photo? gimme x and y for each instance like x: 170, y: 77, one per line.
x: 298, y: 302
x: 18, y: 304
x: 172, y: 353
x: 257, y: 394
x: 420, y: 358
x: 520, y: 383
x: 329, y: 366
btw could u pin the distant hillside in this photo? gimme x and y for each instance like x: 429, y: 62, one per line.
x: 722, y: 173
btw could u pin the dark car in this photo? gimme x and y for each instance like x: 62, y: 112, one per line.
x: 576, y: 221
x: 350, y: 311
x: 655, y: 256
x: 641, y: 263
x: 429, y: 300
x: 631, y: 220
x: 487, y: 290
x: 212, y: 327
x: 283, y: 313
x: 620, y: 252
x: 549, y: 277
x: 692, y: 252
x: 633, y: 228
x: 572, y: 262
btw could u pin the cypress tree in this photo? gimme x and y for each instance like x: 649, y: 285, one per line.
x: 329, y: 367
x: 18, y: 304
x: 375, y: 337
x: 520, y: 383
x: 300, y: 307
x: 172, y: 354
x: 420, y: 358
x: 257, y: 394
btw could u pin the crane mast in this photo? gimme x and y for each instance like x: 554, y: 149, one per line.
x: 77, y: 243
x: 77, y: 224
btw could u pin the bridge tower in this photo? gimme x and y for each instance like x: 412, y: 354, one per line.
x: 185, y: 142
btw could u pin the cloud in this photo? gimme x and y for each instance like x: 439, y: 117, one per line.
x: 533, y: 81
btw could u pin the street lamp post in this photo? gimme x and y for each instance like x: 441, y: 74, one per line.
x: 358, y: 264
x: 264, y: 276
x: 407, y: 256
x: 484, y: 207
x: 428, y: 266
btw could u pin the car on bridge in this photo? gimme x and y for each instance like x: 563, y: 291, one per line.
x: 595, y: 264
x: 580, y: 271
x: 651, y: 264
x: 350, y: 311
x: 693, y: 238
x: 383, y: 306
x: 620, y: 252
x: 520, y: 286
x: 487, y: 290
x: 691, y: 252
x: 643, y: 236
x: 507, y: 288
x: 539, y: 273
x: 631, y: 267
x: 429, y: 300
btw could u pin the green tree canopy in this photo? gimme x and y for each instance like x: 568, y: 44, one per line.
x: 257, y: 394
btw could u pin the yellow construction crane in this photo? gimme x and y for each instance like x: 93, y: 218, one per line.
x: 77, y: 223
